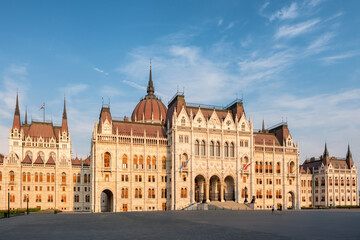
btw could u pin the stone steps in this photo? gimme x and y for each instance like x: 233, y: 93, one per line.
x: 218, y: 206
x: 229, y: 205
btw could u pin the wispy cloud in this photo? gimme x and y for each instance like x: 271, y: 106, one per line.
x: 246, y: 42
x: 230, y: 25
x: 220, y: 22
x: 314, y: 3
x: 286, y: 13
x: 134, y: 85
x: 110, y: 91
x: 73, y: 89
x: 320, y: 44
x: 100, y: 71
x: 335, y: 58
x: 14, y: 79
x: 290, y: 31
x: 263, y: 7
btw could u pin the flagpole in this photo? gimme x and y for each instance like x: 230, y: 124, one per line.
x: 44, y: 114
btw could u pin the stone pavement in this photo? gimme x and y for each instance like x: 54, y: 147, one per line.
x: 305, y: 224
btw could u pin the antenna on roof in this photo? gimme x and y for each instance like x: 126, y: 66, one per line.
x: 102, y: 99
x: 109, y: 100
x: 177, y: 88
x: 183, y: 90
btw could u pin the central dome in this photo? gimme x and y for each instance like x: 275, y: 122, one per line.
x: 150, y: 108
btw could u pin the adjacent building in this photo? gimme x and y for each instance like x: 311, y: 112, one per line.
x: 329, y: 181
x: 39, y: 171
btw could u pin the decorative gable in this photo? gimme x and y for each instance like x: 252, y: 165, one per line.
x: 183, y: 118
x: 228, y: 122
x: 214, y: 121
x: 106, y: 127
x: 243, y: 124
x: 199, y: 120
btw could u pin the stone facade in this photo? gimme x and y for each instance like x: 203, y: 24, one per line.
x: 168, y: 159
x: 328, y: 182
x: 39, y: 171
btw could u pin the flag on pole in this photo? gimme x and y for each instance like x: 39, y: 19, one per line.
x: 184, y: 164
x: 247, y: 165
x: 42, y: 107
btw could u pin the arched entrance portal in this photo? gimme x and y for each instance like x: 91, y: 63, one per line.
x: 106, y: 201
x: 291, y: 200
x: 200, y: 189
x: 214, y: 191
x: 229, y: 189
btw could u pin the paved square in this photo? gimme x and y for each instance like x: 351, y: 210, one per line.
x: 306, y: 224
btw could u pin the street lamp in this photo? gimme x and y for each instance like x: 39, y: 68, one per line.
x: 8, y: 202
x: 245, y: 189
x: 27, y: 205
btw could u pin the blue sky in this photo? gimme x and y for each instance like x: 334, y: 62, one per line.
x: 291, y: 60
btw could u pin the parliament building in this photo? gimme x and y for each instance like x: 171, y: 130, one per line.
x: 169, y: 158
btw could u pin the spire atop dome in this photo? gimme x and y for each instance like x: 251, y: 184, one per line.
x: 150, y: 88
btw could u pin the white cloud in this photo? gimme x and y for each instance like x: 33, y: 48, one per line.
x: 73, y: 89
x: 286, y: 13
x: 134, y: 85
x: 14, y: 80
x: 289, y: 31
x: 263, y: 7
x: 335, y: 58
x: 100, y: 71
x: 220, y: 22
x: 246, y: 42
x: 230, y: 25
x: 320, y: 44
x: 314, y: 3
x: 110, y: 91
x: 313, y: 119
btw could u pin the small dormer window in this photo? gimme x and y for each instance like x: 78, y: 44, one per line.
x: 183, y: 120
x: 243, y: 127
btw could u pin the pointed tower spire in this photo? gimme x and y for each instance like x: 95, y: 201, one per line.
x: 263, y: 126
x: 326, y: 152
x: 326, y: 159
x: 64, y: 125
x: 16, y: 122
x: 64, y: 113
x: 26, y: 122
x: 150, y: 88
x: 349, y: 159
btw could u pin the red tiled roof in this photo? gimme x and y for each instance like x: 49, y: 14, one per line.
x: 26, y: 160
x: 39, y: 160
x: 148, y: 107
x: 339, y: 163
x: 39, y: 129
x: 50, y: 161
x: 76, y: 161
x: 270, y: 140
x: 124, y: 128
x: 87, y: 161
x: 208, y: 112
x: 1, y: 158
